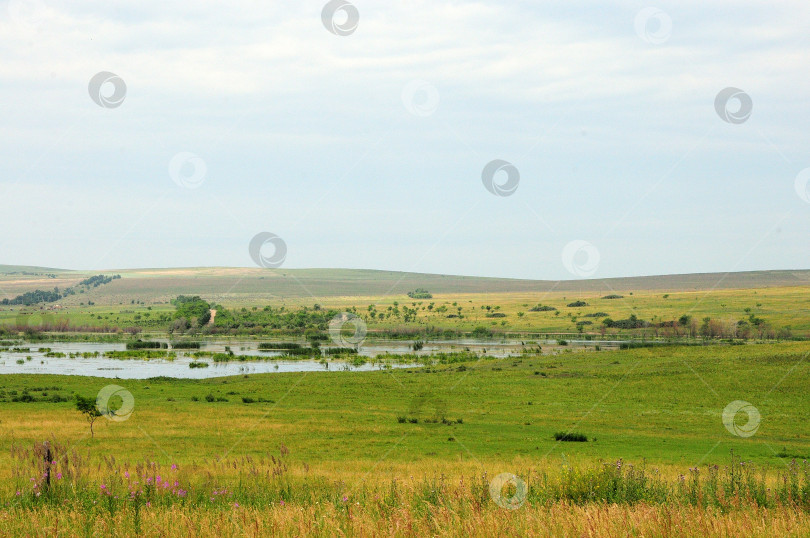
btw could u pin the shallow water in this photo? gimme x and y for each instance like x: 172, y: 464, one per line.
x: 179, y: 367
x: 146, y: 368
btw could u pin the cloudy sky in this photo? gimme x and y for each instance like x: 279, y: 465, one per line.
x: 363, y: 145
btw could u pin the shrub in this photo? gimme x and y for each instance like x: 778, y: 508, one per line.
x: 572, y: 437
x: 420, y: 293
x: 630, y: 323
x: 25, y: 397
x: 576, y: 304
x: 542, y: 308
x: 481, y: 332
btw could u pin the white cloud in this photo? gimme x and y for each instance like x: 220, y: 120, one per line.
x: 282, y: 110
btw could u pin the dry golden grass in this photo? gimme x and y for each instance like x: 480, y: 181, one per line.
x: 556, y: 520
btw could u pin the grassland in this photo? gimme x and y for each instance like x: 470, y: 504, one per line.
x: 661, y: 404
x: 413, y: 451
x: 780, y: 299
x: 243, y: 285
x: 343, y: 438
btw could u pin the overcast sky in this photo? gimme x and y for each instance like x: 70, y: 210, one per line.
x: 363, y: 146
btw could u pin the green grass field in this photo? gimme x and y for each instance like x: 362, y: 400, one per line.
x: 780, y: 298
x: 415, y: 451
x: 662, y: 405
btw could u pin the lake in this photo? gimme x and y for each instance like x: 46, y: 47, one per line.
x: 266, y: 362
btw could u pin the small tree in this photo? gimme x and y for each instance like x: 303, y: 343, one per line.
x: 87, y: 407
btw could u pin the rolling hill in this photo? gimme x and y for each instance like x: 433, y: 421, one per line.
x: 159, y: 285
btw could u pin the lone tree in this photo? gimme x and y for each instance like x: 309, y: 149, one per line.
x: 87, y: 407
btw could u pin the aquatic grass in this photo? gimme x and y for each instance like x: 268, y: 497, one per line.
x: 278, y: 346
x: 139, y: 344
x: 185, y: 345
x: 144, y: 354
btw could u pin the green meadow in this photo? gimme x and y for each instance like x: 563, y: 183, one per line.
x: 661, y: 405
x: 563, y: 441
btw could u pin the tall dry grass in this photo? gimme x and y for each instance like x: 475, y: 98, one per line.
x: 57, y: 491
x: 559, y: 519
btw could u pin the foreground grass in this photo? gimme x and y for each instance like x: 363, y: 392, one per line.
x: 662, y: 404
x: 555, y: 520
x: 81, y: 493
x: 350, y: 465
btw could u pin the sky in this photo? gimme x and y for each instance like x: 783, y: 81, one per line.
x: 543, y: 140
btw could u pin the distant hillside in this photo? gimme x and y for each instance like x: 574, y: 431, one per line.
x: 6, y: 269
x: 254, y: 284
